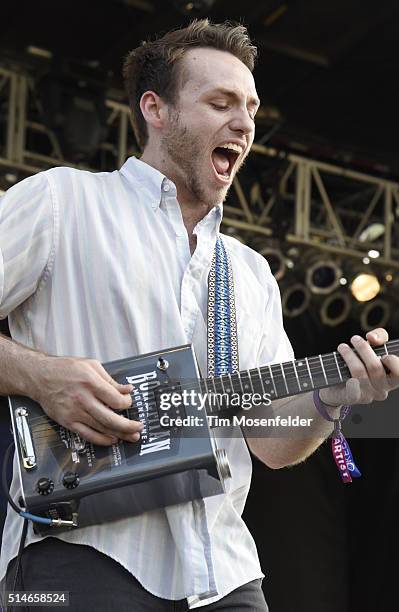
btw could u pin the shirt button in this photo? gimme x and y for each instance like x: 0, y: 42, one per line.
x: 166, y: 187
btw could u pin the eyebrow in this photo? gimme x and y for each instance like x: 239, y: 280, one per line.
x: 232, y: 94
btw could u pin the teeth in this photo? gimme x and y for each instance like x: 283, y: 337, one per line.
x: 233, y: 147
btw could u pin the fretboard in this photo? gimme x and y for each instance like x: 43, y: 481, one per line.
x: 286, y: 379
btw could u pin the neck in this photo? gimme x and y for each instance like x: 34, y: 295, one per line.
x: 192, y: 209
x: 283, y: 379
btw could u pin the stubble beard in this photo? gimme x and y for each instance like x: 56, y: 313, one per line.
x: 186, y: 153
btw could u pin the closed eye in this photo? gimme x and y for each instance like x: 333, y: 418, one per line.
x: 220, y: 106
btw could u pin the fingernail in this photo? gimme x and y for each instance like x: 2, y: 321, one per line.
x: 356, y: 338
x: 135, y: 437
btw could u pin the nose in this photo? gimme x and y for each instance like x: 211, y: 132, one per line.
x: 242, y: 122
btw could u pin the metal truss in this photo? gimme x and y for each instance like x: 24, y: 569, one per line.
x: 324, y: 206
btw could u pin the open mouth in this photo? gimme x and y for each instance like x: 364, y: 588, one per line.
x: 223, y: 161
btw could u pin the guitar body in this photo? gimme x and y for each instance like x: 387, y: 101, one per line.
x: 65, y: 477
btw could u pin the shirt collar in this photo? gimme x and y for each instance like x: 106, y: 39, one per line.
x: 154, y: 184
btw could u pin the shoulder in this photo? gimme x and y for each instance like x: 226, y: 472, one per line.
x: 64, y: 175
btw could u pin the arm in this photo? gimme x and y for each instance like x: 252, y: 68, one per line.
x: 370, y: 381
x: 76, y: 393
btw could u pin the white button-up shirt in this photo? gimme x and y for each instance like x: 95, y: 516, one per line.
x: 98, y: 265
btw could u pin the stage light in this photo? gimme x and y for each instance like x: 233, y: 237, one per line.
x: 295, y: 300
x: 373, y: 253
x: 335, y: 308
x: 375, y: 314
x: 372, y: 232
x: 366, y: 261
x: 323, y: 277
x: 365, y: 287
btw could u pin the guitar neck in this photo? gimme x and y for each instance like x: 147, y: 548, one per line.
x: 289, y: 378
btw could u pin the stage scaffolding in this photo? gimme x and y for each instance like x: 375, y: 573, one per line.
x: 317, y: 217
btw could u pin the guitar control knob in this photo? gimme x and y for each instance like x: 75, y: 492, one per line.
x: 70, y: 480
x: 44, y: 486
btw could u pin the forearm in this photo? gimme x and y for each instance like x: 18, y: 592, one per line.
x: 281, y: 446
x: 19, y: 368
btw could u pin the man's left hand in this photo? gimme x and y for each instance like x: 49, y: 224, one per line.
x: 372, y: 377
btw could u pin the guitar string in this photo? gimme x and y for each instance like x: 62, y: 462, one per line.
x: 283, y: 382
x: 288, y: 378
x: 253, y: 376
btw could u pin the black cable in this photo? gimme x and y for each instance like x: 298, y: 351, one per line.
x: 4, y: 478
x: 19, y: 557
x: 7, y: 455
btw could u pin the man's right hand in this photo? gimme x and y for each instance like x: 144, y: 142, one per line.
x: 80, y: 395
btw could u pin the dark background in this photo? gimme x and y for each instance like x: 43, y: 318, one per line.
x: 328, y: 79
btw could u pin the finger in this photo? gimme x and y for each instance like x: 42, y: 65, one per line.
x: 377, y: 336
x: 391, y: 362
x: 374, y: 367
x: 90, y: 421
x: 91, y: 435
x: 353, y: 391
x: 110, y: 396
x: 354, y: 363
x: 122, y: 388
x: 111, y: 421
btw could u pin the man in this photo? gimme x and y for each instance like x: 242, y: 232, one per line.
x: 102, y: 266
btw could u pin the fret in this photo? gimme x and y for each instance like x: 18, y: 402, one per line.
x: 318, y: 377
x: 239, y: 380
x: 246, y: 382
x: 338, y: 368
x: 274, y: 390
x: 291, y: 378
x: 304, y: 376
x: 261, y: 381
x: 219, y: 406
x: 231, y: 382
x: 250, y: 381
x: 279, y: 381
x: 331, y: 370
x: 221, y: 380
x: 225, y: 395
x: 385, y: 348
x: 285, y: 380
x: 310, y: 373
x: 209, y: 405
x: 322, y: 367
x: 296, y: 374
x: 268, y: 381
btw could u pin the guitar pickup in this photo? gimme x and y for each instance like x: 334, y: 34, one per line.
x: 25, y: 438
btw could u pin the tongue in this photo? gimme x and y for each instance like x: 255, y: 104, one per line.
x: 220, y: 161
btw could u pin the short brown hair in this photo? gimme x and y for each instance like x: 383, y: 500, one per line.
x: 153, y: 66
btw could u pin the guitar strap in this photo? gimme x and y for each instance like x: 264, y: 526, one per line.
x: 221, y: 323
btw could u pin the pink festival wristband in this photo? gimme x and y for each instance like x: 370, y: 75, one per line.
x: 339, y: 446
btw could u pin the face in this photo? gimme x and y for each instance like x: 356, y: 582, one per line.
x: 210, y: 130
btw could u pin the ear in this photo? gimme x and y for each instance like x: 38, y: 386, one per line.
x: 153, y: 109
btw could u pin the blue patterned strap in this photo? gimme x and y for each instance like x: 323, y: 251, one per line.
x: 222, y: 325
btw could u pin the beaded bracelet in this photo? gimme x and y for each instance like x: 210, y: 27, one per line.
x: 339, y: 446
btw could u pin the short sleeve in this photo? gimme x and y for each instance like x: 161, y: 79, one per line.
x: 26, y: 240
x: 275, y: 345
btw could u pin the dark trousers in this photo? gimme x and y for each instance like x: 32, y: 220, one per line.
x: 97, y: 582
